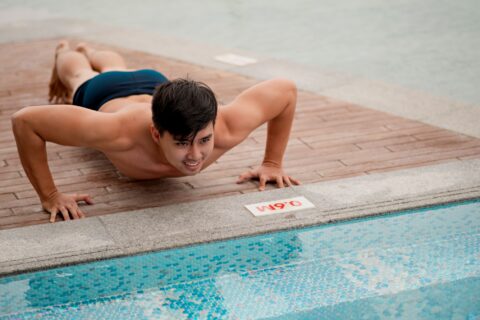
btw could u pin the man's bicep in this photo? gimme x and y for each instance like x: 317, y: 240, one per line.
x: 248, y: 111
x: 255, y: 106
x: 66, y: 124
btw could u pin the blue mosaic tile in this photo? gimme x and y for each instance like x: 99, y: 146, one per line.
x: 423, y: 264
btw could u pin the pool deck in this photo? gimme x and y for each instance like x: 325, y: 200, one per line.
x: 360, y: 148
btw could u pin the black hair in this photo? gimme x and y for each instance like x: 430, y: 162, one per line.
x: 183, y: 107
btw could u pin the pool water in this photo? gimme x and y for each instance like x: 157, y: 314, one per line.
x: 422, y: 264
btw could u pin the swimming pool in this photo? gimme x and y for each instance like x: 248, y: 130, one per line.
x: 417, y: 264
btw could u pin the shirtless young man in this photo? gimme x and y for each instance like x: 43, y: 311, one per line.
x: 146, y: 133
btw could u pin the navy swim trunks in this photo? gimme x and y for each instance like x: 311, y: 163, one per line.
x: 95, y: 92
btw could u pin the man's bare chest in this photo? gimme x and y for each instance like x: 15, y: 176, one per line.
x: 138, y: 164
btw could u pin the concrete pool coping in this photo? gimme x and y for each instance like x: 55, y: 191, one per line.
x: 49, y: 245
x: 44, y: 246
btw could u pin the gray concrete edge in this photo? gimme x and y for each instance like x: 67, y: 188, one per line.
x: 396, y: 100
x: 50, y: 245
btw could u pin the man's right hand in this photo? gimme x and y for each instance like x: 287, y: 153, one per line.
x: 66, y: 204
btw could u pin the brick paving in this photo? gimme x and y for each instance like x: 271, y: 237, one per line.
x: 331, y: 139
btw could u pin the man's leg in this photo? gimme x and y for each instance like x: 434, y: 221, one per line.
x: 70, y: 70
x: 103, y: 60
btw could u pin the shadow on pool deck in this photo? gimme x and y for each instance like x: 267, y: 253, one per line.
x: 331, y: 139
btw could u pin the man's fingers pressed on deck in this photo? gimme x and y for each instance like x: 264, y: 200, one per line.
x: 66, y: 204
x: 65, y: 214
x: 295, y: 181
x: 287, y: 181
x: 245, y: 176
x: 53, y: 215
x: 73, y: 211
x: 83, y: 197
x: 263, y: 182
x: 81, y: 214
x: 280, y: 182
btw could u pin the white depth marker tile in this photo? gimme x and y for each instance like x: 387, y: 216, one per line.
x: 279, y: 206
x: 235, y: 59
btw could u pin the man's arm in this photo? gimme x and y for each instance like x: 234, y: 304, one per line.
x: 271, y: 101
x: 62, y: 124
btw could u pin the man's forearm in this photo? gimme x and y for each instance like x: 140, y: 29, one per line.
x: 33, y: 155
x: 278, y: 132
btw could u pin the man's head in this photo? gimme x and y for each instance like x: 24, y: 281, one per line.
x: 183, y: 114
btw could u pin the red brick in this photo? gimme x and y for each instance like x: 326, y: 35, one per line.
x: 311, y: 168
x: 20, y: 221
x: 385, y: 142
x: 12, y: 182
x: 365, y: 158
x: 28, y: 209
x: 296, y: 147
x: 433, y: 143
x: 93, y: 181
x: 343, y: 175
x: 9, y: 175
x: 5, y: 212
x: 7, y: 197
x: 337, y: 133
x: 82, y: 188
x: 435, y: 135
x: 14, y: 160
x: 412, y: 165
x: 328, y: 140
x: 469, y: 153
x: 151, y: 186
x: 17, y: 203
x: 473, y: 156
x: 413, y: 159
x: 405, y: 125
x: 81, y: 153
x: 59, y: 175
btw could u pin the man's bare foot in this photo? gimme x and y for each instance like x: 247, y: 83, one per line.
x: 102, y: 60
x: 87, y: 51
x: 84, y: 48
x: 58, y: 92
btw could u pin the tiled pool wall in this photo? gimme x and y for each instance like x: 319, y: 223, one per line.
x: 380, y: 265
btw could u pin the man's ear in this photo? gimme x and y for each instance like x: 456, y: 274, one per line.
x: 155, y: 133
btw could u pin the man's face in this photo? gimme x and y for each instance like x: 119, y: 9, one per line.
x: 188, y: 156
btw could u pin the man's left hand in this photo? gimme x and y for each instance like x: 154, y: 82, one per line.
x: 266, y: 173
